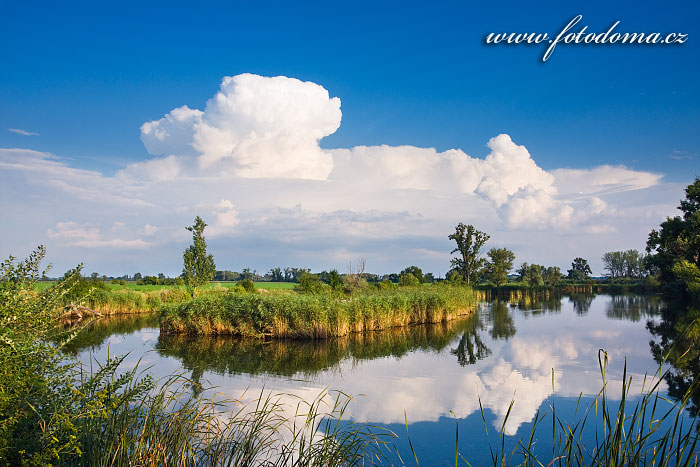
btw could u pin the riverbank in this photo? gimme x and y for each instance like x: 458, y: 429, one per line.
x: 297, y: 315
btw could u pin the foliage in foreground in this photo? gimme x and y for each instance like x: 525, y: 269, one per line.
x: 648, y: 431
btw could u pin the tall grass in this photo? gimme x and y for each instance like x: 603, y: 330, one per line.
x: 650, y: 430
x: 122, y: 423
x: 297, y: 315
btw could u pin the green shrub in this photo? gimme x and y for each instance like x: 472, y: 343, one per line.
x: 248, y: 285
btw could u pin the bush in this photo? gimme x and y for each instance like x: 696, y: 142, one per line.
x: 247, y: 285
x: 408, y: 280
x: 310, y: 283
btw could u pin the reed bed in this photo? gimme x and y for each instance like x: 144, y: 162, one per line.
x: 129, y: 420
x: 296, y: 315
x: 639, y: 430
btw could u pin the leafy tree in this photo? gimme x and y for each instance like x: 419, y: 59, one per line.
x: 151, y: 280
x: 501, y: 262
x: 551, y: 276
x: 310, y: 283
x: 619, y: 264
x: 276, y: 275
x: 415, y: 271
x: 138, y: 276
x: 429, y: 277
x: 580, y: 270
x: 522, y: 272
x: 533, y: 275
x: 408, y: 280
x: 469, y: 242
x: 677, y: 240
x: 199, y: 266
x: 334, y: 280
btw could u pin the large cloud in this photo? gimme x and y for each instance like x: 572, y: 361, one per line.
x: 253, y: 127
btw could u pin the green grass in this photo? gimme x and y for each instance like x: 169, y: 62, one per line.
x: 296, y: 315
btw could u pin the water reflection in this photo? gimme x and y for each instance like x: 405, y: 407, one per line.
x: 98, y: 331
x: 633, y: 307
x: 506, y: 351
x: 677, y: 340
x: 581, y: 303
x: 232, y: 355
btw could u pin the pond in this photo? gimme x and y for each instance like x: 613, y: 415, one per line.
x: 536, y: 353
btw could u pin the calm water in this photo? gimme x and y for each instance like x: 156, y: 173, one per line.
x: 537, y: 353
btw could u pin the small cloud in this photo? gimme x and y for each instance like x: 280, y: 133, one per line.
x: 74, y: 234
x: 19, y: 131
x: 150, y: 230
x: 677, y: 155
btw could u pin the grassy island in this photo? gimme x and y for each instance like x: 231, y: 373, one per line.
x: 298, y: 315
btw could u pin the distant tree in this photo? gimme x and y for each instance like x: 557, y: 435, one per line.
x: 199, y: 266
x: 393, y: 277
x: 522, y: 271
x: 276, y: 275
x: 501, y: 261
x: 310, y: 283
x: 533, y: 275
x: 628, y: 263
x: 138, y: 276
x: 151, y: 280
x: 613, y: 262
x: 552, y: 276
x: 334, y: 280
x: 415, y: 271
x: 408, y: 280
x: 429, y: 277
x: 580, y: 270
x: 469, y: 242
x: 161, y: 276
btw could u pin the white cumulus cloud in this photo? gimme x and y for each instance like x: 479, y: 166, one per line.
x: 255, y: 127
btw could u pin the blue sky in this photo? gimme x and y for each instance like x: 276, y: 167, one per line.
x: 86, y: 76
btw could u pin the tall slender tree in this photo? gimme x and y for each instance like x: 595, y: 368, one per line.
x: 199, y: 266
x: 469, y: 242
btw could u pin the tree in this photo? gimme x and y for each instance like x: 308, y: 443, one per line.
x: 199, y: 267
x: 552, y: 276
x: 334, y: 280
x: 613, y: 262
x: 676, y: 241
x: 501, y: 262
x: 276, y: 275
x: 522, y: 271
x: 628, y: 263
x: 580, y: 270
x: 415, y: 271
x: 469, y: 242
x: 408, y: 280
x: 533, y: 275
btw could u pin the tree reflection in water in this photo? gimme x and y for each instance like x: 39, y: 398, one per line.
x: 470, y: 348
x: 633, y: 307
x: 677, y: 341
x: 581, y: 302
